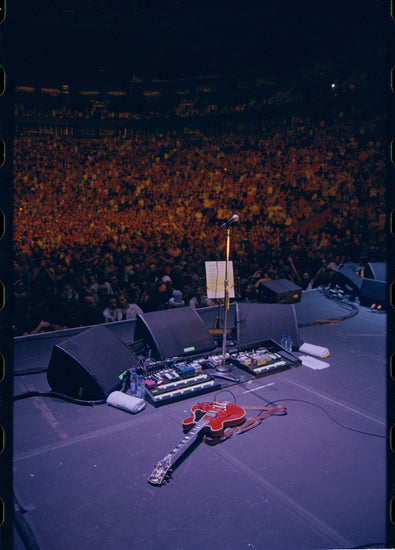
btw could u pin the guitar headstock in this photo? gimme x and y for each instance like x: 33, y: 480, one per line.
x: 160, y: 472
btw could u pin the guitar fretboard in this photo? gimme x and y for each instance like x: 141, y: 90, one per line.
x: 187, y: 439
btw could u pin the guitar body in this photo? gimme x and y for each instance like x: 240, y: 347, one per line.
x: 219, y: 415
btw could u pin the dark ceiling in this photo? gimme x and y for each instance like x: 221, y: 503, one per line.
x: 100, y: 39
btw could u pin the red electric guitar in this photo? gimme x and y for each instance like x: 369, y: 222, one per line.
x: 212, y: 417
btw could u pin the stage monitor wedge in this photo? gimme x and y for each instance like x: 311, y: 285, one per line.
x: 373, y: 292
x: 348, y: 276
x: 376, y: 270
x: 176, y: 332
x: 88, y: 366
x: 257, y: 322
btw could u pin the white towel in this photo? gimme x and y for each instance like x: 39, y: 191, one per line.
x: 317, y: 351
x: 313, y: 363
x: 126, y: 402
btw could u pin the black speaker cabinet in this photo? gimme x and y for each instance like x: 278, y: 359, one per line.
x: 177, y: 332
x: 88, y: 366
x: 376, y: 270
x: 348, y: 276
x: 373, y: 292
x: 257, y: 322
x: 279, y: 291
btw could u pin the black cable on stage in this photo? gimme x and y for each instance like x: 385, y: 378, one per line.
x: 340, y: 301
x: 58, y: 396
x: 330, y: 416
x: 222, y: 391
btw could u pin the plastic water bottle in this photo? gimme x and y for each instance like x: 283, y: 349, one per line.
x: 125, y: 381
x: 284, y: 341
x: 289, y: 344
x: 140, y: 390
x: 133, y: 382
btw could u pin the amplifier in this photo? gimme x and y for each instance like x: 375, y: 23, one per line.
x: 279, y: 291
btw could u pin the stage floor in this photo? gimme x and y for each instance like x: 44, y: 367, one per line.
x: 314, y: 478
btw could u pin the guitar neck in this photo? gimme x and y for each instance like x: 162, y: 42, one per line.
x: 163, y: 466
x: 187, y: 440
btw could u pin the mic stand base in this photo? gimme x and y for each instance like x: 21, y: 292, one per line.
x: 221, y: 374
x: 223, y: 368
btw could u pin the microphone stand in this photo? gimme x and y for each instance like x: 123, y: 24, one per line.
x: 224, y: 367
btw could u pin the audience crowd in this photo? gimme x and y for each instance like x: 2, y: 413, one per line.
x: 105, y: 229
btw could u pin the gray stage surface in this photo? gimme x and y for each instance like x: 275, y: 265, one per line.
x: 314, y: 478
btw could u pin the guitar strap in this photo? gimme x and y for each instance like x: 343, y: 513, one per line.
x: 247, y: 424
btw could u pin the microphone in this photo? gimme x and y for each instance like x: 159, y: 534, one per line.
x: 231, y: 220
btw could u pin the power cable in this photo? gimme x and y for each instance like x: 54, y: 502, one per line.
x: 330, y: 416
x: 58, y: 396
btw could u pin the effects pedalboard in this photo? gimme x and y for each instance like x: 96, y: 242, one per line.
x: 263, y: 358
x: 174, y: 379
x: 170, y: 381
